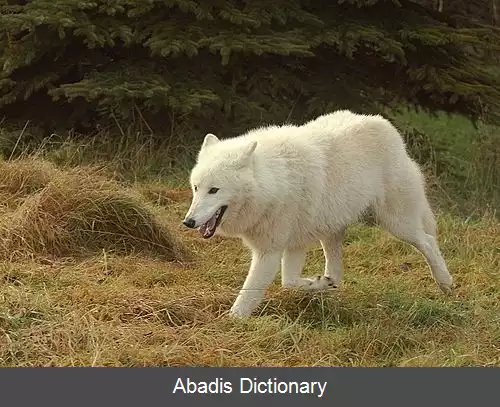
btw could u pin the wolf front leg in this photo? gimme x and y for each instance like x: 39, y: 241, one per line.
x: 263, y: 270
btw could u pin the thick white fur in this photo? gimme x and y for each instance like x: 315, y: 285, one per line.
x: 289, y: 186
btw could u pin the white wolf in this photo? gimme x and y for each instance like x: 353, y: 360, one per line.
x: 281, y: 188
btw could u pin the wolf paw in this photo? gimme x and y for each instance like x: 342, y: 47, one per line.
x: 447, y: 289
x: 321, y: 283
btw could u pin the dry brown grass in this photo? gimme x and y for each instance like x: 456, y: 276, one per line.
x: 55, y: 213
x: 22, y: 178
x: 115, y: 309
x: 162, y: 195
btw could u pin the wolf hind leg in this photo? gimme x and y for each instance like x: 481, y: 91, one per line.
x: 405, y: 221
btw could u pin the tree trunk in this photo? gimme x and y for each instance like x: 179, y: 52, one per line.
x: 495, y: 11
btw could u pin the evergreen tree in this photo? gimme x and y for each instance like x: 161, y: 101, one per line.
x: 219, y: 62
x: 479, y: 11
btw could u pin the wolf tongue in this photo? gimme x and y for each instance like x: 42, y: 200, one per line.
x: 208, y: 227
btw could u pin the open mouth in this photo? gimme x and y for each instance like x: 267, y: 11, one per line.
x: 208, y: 229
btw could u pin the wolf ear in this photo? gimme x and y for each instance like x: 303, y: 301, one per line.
x: 247, y: 152
x: 249, y: 149
x: 209, y: 140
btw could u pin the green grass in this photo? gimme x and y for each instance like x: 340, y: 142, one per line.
x: 462, y: 161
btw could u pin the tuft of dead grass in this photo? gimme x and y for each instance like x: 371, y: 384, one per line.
x: 59, y: 213
x: 21, y: 178
x: 160, y: 194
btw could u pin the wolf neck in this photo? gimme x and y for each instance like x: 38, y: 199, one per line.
x: 259, y: 203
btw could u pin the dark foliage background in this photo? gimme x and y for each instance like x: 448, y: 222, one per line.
x: 226, y: 65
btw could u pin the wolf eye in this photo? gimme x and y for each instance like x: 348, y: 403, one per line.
x: 195, y: 188
x: 213, y: 190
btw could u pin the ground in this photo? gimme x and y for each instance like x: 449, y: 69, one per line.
x: 108, y: 309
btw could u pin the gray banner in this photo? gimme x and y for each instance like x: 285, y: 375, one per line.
x: 248, y: 386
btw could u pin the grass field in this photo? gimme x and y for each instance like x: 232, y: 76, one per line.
x: 96, y: 272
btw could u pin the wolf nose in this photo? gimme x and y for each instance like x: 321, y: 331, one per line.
x: 189, y: 223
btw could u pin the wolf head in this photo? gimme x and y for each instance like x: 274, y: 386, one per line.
x: 220, y: 182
